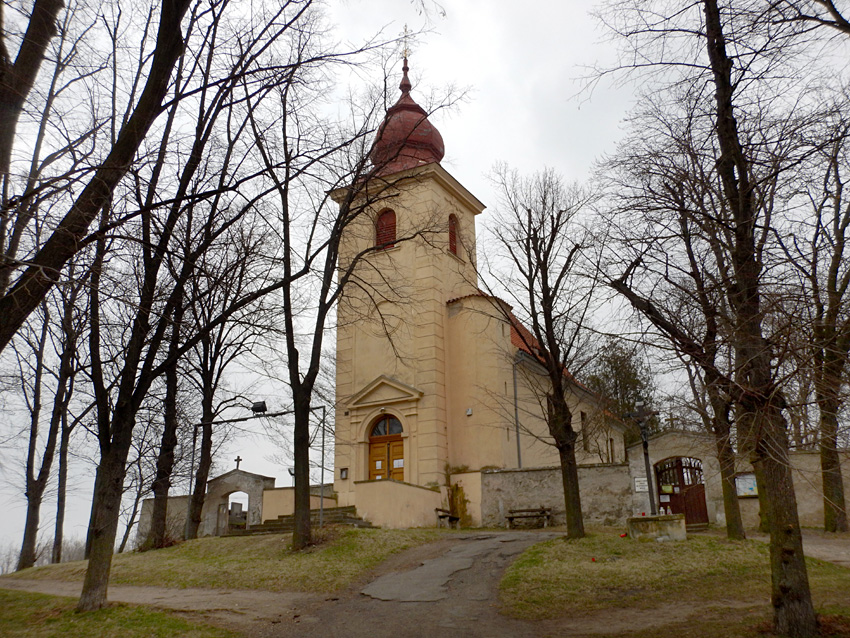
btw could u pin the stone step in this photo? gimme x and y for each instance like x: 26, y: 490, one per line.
x: 286, y: 524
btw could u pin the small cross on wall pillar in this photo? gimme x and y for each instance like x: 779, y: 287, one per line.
x: 238, y: 460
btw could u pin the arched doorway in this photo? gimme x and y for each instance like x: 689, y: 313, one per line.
x: 386, y: 449
x: 237, y: 510
x: 681, y: 489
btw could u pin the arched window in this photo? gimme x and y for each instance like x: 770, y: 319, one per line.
x: 385, y: 229
x: 453, y: 234
x: 386, y: 425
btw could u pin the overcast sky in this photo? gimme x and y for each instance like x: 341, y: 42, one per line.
x: 521, y: 67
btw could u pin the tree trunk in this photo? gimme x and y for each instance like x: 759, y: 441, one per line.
x: 793, y: 611
x: 29, y: 545
x: 829, y: 376
x: 36, y: 484
x: 131, y: 522
x: 158, y: 535
x: 106, y: 509
x: 834, y: 506
x: 572, y: 498
x: 61, y: 489
x: 722, y: 430
x: 762, y: 429
x: 762, y: 436
x: 93, y: 513
x: 34, y: 487
x: 560, y: 426
x: 302, y: 536
x: 731, y: 507
x: 199, y: 491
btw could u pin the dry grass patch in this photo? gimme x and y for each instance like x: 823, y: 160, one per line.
x: 603, y: 571
x: 254, y: 562
x: 25, y: 615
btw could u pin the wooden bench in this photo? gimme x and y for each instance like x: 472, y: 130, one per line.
x: 536, y: 512
x: 448, y: 517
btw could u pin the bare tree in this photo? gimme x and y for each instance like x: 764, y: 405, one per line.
x: 738, y: 132
x: 43, y: 268
x: 661, y: 174
x: 325, y: 186
x: 541, y: 237
x: 817, y: 248
x: 621, y: 376
x: 221, y: 277
x: 63, y: 343
x: 206, y: 83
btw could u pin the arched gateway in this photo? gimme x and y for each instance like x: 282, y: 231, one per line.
x: 681, y: 489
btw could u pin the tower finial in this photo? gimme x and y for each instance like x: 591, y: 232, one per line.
x: 405, y: 85
x: 405, y: 41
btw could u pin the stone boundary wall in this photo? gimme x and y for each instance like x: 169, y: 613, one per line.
x: 808, y: 487
x: 175, y: 515
x: 606, y: 493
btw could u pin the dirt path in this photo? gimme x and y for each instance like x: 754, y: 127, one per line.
x: 230, y: 606
x: 447, y: 589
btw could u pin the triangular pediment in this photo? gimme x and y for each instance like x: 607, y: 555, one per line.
x: 384, y: 390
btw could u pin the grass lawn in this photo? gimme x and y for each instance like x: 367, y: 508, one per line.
x: 728, y: 582
x: 254, y: 562
x: 25, y: 615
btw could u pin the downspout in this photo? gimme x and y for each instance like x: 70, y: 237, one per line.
x: 516, y: 413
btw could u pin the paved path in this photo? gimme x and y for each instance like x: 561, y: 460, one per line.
x: 833, y: 548
x: 454, y: 594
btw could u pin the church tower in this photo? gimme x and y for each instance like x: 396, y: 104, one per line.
x: 416, y: 246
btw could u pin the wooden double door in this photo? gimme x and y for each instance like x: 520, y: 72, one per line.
x: 386, y: 449
x: 386, y: 458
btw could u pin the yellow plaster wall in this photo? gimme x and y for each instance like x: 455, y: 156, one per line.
x: 397, y: 505
x: 280, y: 501
x: 481, y: 432
x: 482, y: 380
x: 455, y: 360
x: 397, y: 329
x: 471, y: 484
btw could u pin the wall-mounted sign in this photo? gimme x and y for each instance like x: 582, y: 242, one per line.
x: 745, y: 485
x: 641, y: 484
x: 664, y: 498
x: 397, y: 463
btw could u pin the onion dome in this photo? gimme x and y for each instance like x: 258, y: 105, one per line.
x: 406, y: 138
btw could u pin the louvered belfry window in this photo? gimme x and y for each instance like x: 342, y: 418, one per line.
x: 453, y: 234
x: 385, y: 229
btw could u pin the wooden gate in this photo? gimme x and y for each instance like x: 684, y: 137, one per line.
x: 681, y: 489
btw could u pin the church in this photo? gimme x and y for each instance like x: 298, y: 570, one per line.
x: 435, y: 380
x: 438, y: 386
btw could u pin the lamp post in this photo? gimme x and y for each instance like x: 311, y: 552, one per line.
x: 641, y: 416
x: 258, y: 409
x: 322, y: 474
